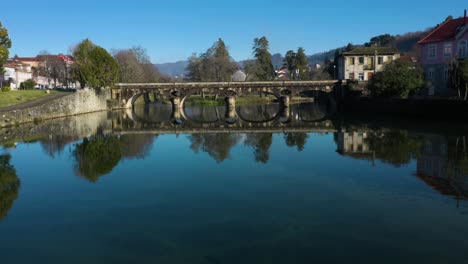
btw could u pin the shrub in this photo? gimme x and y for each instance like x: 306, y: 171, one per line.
x: 6, y: 89
x: 28, y: 85
x: 398, y: 79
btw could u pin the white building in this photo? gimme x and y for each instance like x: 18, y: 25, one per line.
x: 16, y: 73
x: 362, y: 63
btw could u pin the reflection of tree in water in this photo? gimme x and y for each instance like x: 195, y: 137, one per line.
x: 218, y: 146
x: 54, y: 145
x: 261, y: 142
x: 395, y: 147
x: 296, y: 139
x: 9, y: 185
x: 97, y: 156
x: 136, y: 146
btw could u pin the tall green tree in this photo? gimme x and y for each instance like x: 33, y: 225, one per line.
x: 5, y: 45
x: 298, y: 64
x: 397, y: 79
x: 94, y: 66
x: 194, y: 68
x: 302, y: 64
x: 385, y: 40
x: 290, y: 60
x: 214, y: 65
x: 224, y: 65
x: 264, y: 69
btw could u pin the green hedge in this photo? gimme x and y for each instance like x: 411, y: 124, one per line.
x: 28, y: 85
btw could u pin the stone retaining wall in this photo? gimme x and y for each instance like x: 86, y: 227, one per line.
x: 79, y: 102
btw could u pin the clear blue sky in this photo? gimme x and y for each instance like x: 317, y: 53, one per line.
x: 172, y: 30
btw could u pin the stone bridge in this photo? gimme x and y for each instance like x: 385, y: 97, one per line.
x: 127, y: 93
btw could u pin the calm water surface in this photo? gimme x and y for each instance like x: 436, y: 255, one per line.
x: 255, y: 185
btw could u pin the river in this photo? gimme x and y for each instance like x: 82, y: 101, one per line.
x: 255, y: 185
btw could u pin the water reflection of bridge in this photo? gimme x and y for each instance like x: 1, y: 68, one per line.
x: 210, y: 119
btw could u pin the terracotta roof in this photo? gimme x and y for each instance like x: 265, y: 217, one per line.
x: 411, y: 59
x: 448, y: 30
x: 26, y: 59
x: 15, y: 63
x: 371, y: 51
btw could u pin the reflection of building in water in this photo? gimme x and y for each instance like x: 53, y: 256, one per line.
x: 442, y: 173
x: 354, y: 144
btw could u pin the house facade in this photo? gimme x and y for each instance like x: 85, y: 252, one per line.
x: 60, y: 64
x: 446, y: 43
x: 17, y: 72
x: 362, y: 63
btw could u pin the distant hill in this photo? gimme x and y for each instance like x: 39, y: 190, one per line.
x: 173, y: 69
x: 406, y: 43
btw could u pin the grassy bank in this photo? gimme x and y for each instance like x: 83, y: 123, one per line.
x: 18, y: 97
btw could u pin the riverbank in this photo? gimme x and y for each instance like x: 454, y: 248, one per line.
x: 60, y: 105
x: 15, y: 98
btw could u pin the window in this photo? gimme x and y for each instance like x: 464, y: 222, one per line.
x: 380, y: 60
x: 351, y: 76
x: 351, y: 61
x: 432, y: 51
x: 448, y: 50
x: 361, y: 77
x: 462, y: 49
x: 361, y: 60
x: 370, y: 61
x: 430, y: 74
x: 446, y: 74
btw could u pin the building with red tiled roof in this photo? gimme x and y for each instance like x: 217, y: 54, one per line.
x: 445, y: 43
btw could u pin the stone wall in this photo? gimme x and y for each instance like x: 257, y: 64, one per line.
x: 57, y: 130
x: 80, y: 102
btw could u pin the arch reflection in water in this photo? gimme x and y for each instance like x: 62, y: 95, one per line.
x: 159, y: 119
x: 9, y: 185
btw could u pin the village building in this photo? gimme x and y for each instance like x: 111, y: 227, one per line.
x: 283, y: 74
x: 16, y: 73
x: 362, y: 63
x: 447, y: 42
x: 36, y: 68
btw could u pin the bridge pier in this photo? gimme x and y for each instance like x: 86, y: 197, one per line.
x: 285, y: 114
x: 146, y: 97
x: 177, y: 115
x: 285, y: 101
x: 230, y: 102
x: 176, y: 103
